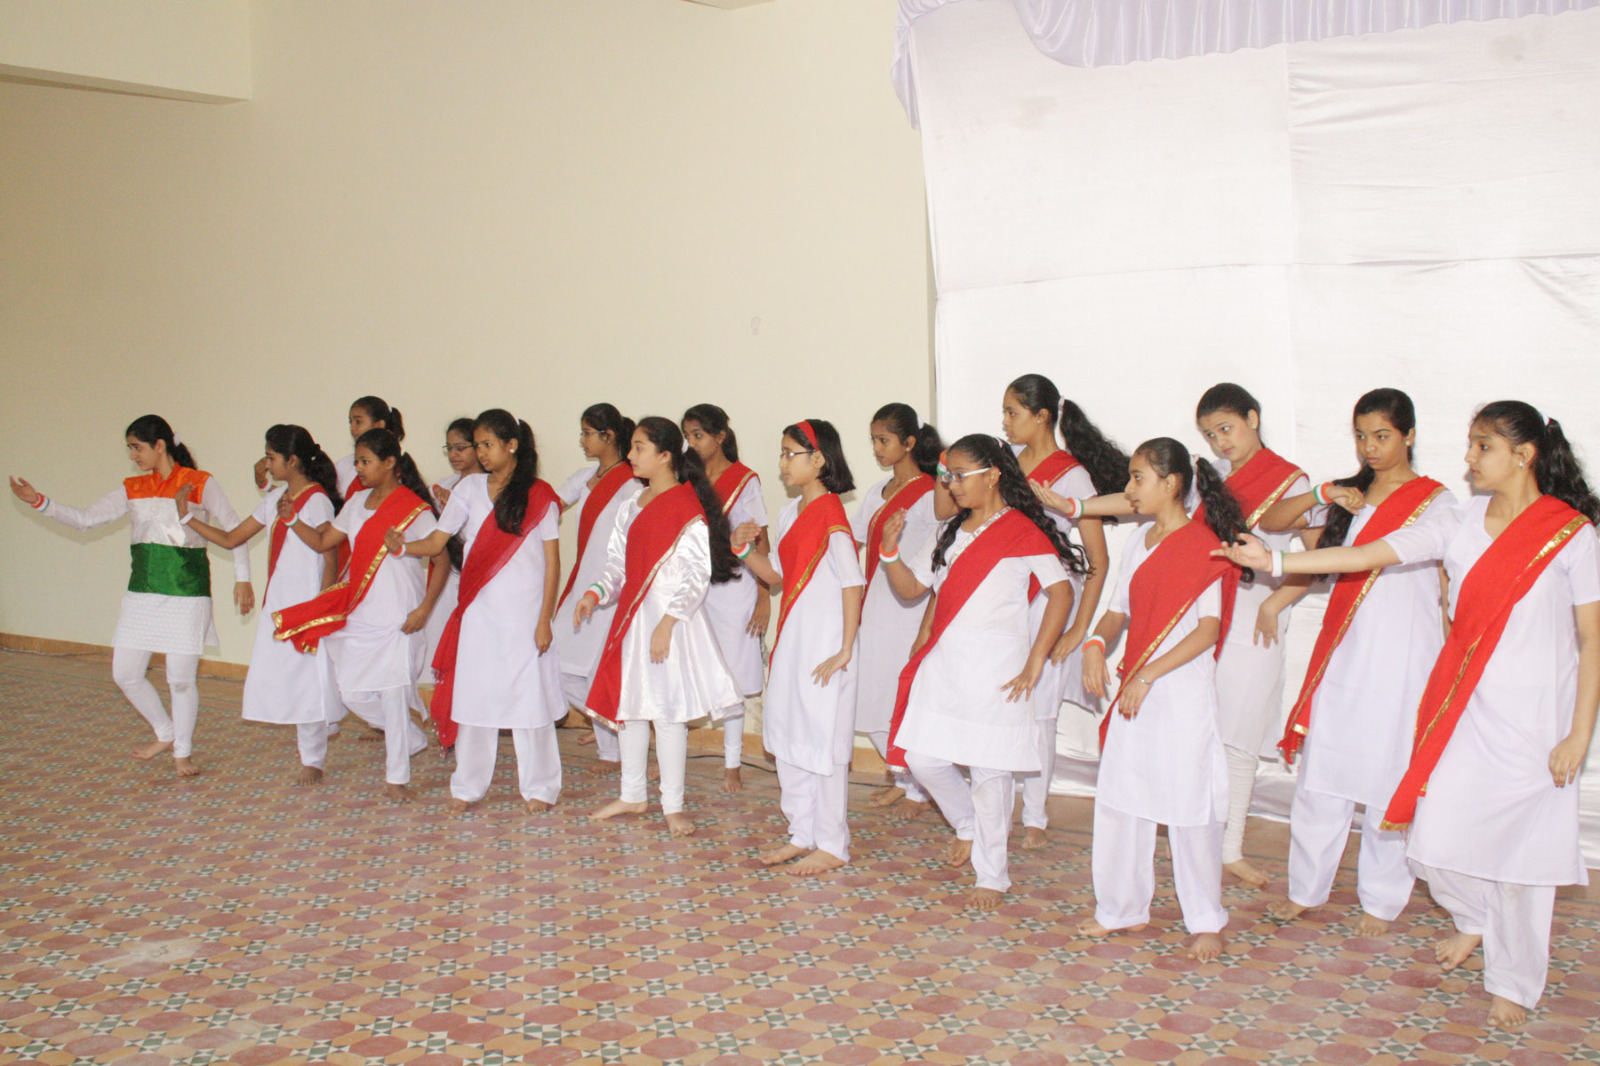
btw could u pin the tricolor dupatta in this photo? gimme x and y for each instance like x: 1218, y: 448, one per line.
x: 803, y: 547
x: 1259, y: 484
x: 594, y: 506
x: 1404, y: 506
x: 1163, y: 589
x: 492, y: 549
x: 280, y: 528
x: 904, y: 499
x: 730, y: 485
x: 1495, y: 584
x: 305, y: 624
x: 1008, y: 534
x: 651, y: 538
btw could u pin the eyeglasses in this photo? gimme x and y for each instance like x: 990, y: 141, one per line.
x: 458, y: 449
x: 587, y: 432
x: 785, y: 455
x: 958, y: 477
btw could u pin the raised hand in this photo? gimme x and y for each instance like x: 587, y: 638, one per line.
x: 395, y: 541
x: 1347, y: 496
x: 1051, y: 499
x: 181, y: 498
x: 25, y: 492
x: 286, y: 509
x: 1248, y: 552
x: 747, y: 533
x: 260, y: 471
x: 441, y: 494
x: 893, y: 527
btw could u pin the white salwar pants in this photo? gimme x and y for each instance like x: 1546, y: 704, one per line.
x: 1514, y: 921
x: 979, y: 812
x: 386, y: 709
x: 733, y: 742
x: 672, y: 752
x: 1319, y: 826
x: 538, y: 762
x: 1242, y: 766
x: 128, y: 667
x: 607, y: 748
x: 312, y: 740
x: 902, y: 779
x: 815, y: 805
x: 1036, y: 786
x: 1123, y: 860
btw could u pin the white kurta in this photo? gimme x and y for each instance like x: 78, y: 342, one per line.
x: 1166, y: 764
x: 731, y: 605
x: 370, y: 653
x: 501, y: 679
x: 1064, y: 680
x: 1250, y: 705
x: 957, y: 710
x: 579, y: 650
x: 446, y: 604
x: 345, y: 471
x: 804, y: 723
x: 693, y: 681
x: 1491, y: 809
x: 1364, y: 712
x: 888, y: 624
x: 285, y: 686
x: 148, y: 621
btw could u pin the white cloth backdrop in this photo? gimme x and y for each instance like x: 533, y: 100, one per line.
x: 1417, y: 209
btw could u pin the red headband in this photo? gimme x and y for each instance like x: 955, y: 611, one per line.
x: 811, y: 434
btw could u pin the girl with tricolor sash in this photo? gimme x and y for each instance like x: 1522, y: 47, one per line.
x: 1350, y: 727
x: 1490, y: 796
x: 740, y: 609
x: 1250, y: 668
x: 1162, y: 761
x: 660, y: 665
x: 462, y: 455
x: 966, y: 696
x: 167, y: 607
x: 909, y: 448
x: 1030, y: 412
x: 492, y: 664
x: 600, y: 491
x: 808, y: 718
x: 284, y: 686
x: 372, y: 621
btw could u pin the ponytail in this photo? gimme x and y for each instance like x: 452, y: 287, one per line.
x: 901, y: 420
x: 1015, y: 494
x: 687, y: 466
x: 148, y: 429
x: 385, y: 445
x: 379, y: 411
x: 295, y: 442
x: 604, y: 418
x: 1556, y: 467
x: 511, y: 506
x: 1105, y: 462
x: 1401, y: 413
x: 714, y: 420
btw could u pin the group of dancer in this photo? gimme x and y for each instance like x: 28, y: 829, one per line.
x: 1451, y: 693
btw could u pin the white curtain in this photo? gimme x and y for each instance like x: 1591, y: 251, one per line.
x: 1093, y: 33
x: 1417, y: 209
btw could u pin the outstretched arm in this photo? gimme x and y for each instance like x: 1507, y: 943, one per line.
x: 1249, y: 551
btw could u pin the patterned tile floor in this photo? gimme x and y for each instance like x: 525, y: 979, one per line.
x: 234, y: 918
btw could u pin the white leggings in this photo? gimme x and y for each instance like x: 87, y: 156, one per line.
x: 672, y: 752
x: 902, y: 779
x: 1514, y: 921
x: 1241, y: 787
x: 733, y: 741
x: 386, y: 710
x: 128, y: 669
x: 1036, y: 786
x: 979, y: 812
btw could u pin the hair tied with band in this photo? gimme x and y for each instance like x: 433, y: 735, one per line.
x: 176, y: 440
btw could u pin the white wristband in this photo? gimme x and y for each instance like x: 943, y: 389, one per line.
x: 188, y: 516
x: 1277, y: 564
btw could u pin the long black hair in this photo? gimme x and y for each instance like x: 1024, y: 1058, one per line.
x: 1015, y: 493
x: 147, y: 429
x: 1396, y: 407
x: 1106, y: 463
x: 835, y: 476
x: 295, y: 442
x: 665, y: 436
x: 1556, y: 466
x: 511, y: 506
x: 901, y: 420
x: 385, y: 445
x: 463, y: 426
x: 1168, y: 457
x: 604, y: 418
x: 379, y: 411
x: 1226, y: 396
x: 714, y: 420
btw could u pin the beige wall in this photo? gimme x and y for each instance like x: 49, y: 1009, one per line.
x: 453, y: 205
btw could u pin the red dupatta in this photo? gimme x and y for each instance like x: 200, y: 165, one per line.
x: 903, y: 500
x: 1163, y: 589
x: 803, y: 547
x: 593, y: 506
x: 1046, y: 473
x: 305, y: 624
x: 1404, y: 506
x: 280, y: 528
x: 1495, y: 584
x: 651, y: 538
x: 1008, y: 535
x: 730, y: 484
x: 1259, y: 484
x: 491, y: 550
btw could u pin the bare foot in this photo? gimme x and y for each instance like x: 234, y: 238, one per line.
x: 1504, y: 1014
x: 1206, y: 947
x: 586, y: 737
x: 1456, y: 950
x: 399, y: 793
x: 783, y: 854
x: 679, y: 825
x: 888, y: 797
x: 1090, y: 927
x: 309, y: 775
x: 959, y: 853
x: 731, y: 781
x: 1285, y: 910
x: 618, y: 807
x: 459, y: 806
x: 1369, y: 926
x: 1247, y: 873
x: 371, y: 735
x: 606, y: 766
x: 1032, y: 838
x: 186, y: 767
x: 818, y: 862
x: 909, y: 809
x: 537, y: 806
x: 152, y: 749
x: 985, y: 899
